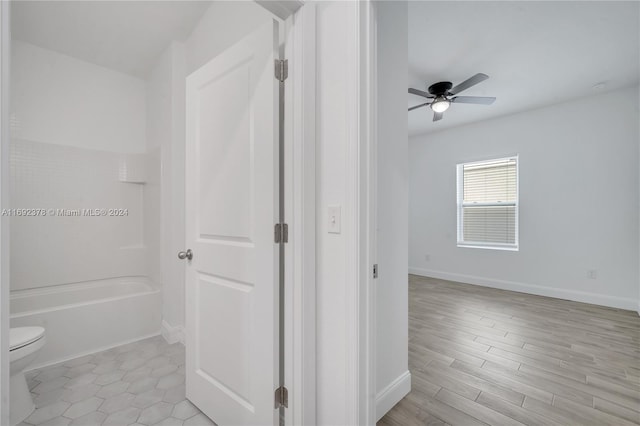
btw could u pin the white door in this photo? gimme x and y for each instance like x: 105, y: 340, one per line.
x: 231, y: 209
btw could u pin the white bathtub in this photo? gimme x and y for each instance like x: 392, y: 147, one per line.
x: 88, y: 317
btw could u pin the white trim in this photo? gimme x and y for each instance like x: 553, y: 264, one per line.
x: 461, y: 205
x: 487, y: 246
x: 392, y: 394
x: 574, y: 295
x: 351, y: 222
x: 361, y: 184
x: 5, y: 46
x: 300, y: 214
x: 172, y: 334
x: 92, y: 351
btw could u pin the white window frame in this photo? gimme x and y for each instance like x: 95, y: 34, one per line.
x: 460, y: 207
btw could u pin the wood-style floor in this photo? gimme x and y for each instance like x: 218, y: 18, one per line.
x: 484, y: 356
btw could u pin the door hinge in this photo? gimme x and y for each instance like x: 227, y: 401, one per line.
x: 281, y: 69
x: 281, y: 233
x: 282, y: 397
x: 375, y: 271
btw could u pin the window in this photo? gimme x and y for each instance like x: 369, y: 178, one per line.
x: 488, y: 204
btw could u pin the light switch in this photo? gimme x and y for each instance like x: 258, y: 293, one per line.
x: 334, y: 219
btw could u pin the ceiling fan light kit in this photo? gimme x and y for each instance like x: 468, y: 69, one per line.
x: 440, y: 104
x: 443, y: 95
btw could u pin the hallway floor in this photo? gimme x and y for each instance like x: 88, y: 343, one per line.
x: 140, y: 383
x: 484, y: 356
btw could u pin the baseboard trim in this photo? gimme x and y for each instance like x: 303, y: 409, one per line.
x: 172, y: 334
x: 392, y: 394
x: 576, y: 296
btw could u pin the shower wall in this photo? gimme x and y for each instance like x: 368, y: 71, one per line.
x: 78, y: 142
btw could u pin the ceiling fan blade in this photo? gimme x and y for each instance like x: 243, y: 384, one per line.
x: 478, y: 78
x: 479, y: 100
x: 419, y: 106
x: 437, y: 116
x: 420, y: 93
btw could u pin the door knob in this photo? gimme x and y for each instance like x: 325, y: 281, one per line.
x: 185, y: 254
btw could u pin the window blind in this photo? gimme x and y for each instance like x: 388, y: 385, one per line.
x: 487, y: 203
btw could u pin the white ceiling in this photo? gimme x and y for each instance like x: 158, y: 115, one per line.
x: 127, y: 36
x: 536, y: 53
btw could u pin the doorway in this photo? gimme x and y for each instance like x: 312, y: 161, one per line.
x: 160, y: 188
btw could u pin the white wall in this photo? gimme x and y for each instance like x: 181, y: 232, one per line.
x: 332, y: 134
x: 344, y: 391
x: 579, y: 190
x: 76, y: 130
x: 393, y: 380
x: 223, y: 24
x: 61, y: 100
x: 173, y: 206
x: 164, y: 200
x: 158, y: 104
x: 330, y: 248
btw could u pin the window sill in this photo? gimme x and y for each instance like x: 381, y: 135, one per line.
x: 479, y: 246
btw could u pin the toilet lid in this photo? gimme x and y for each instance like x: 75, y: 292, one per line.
x: 22, y: 336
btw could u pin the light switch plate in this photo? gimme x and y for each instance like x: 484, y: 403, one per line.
x: 334, y: 219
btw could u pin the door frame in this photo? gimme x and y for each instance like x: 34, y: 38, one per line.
x: 367, y: 214
x: 363, y: 182
x: 299, y: 19
x: 5, y: 45
x: 302, y: 215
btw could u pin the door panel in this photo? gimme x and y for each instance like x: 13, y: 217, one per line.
x: 225, y: 210
x: 231, y: 207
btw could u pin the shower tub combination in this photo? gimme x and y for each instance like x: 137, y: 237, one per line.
x: 88, y: 317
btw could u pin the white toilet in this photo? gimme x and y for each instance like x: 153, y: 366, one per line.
x: 24, y: 344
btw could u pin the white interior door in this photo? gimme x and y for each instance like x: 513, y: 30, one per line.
x: 231, y: 209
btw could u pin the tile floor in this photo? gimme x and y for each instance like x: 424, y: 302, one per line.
x: 141, y: 383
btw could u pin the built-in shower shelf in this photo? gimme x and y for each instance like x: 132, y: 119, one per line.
x: 133, y: 168
x: 137, y: 182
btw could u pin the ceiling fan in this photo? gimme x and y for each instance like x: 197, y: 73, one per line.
x: 442, y: 94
